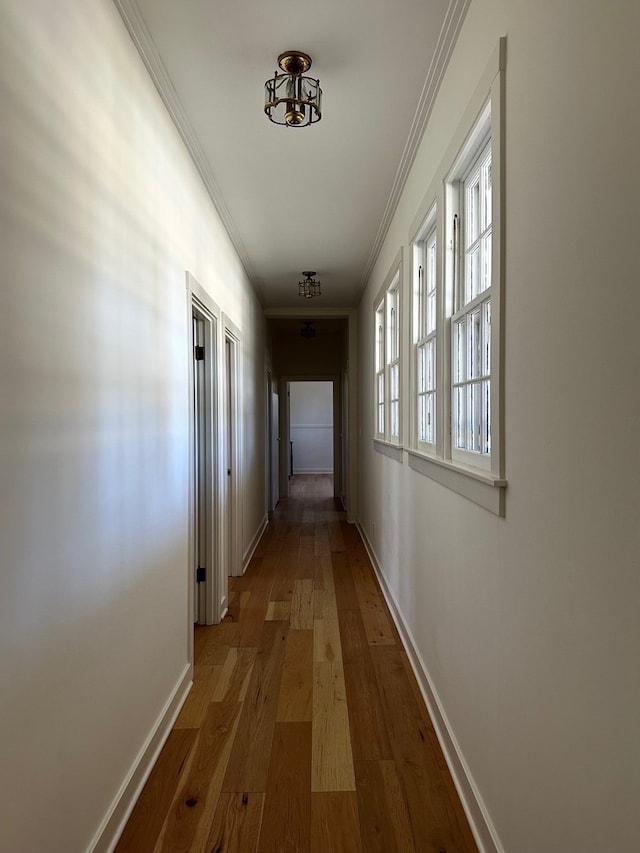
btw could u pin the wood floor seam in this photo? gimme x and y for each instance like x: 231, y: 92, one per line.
x: 305, y: 730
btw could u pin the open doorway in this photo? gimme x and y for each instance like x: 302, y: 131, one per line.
x: 273, y: 443
x: 206, y: 588
x: 311, y: 428
x: 232, y: 435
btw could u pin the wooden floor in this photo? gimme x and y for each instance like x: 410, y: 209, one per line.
x: 305, y: 729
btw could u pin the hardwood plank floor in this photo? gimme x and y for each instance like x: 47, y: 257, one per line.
x: 305, y: 730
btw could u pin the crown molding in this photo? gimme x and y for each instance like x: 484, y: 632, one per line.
x: 142, y: 39
x: 444, y: 47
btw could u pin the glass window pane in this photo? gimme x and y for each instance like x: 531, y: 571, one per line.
x: 430, y: 368
x: 379, y: 339
x: 486, y: 261
x: 486, y: 416
x: 394, y: 382
x: 459, y: 417
x: 486, y: 338
x: 430, y: 418
x: 473, y: 345
x: 487, y: 192
x: 420, y: 330
x: 392, y: 333
x: 431, y: 312
x: 473, y: 416
x: 459, y: 350
x: 473, y: 210
x: 472, y: 282
x: 431, y: 287
x: 421, y: 368
x: 422, y: 418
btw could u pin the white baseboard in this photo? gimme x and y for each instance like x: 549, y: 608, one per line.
x: 481, y: 826
x: 312, y: 471
x: 254, y: 543
x: 116, y: 818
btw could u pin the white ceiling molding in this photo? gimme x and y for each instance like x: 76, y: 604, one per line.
x: 145, y: 45
x: 142, y: 38
x: 446, y: 41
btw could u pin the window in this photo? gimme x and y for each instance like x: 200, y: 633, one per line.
x: 393, y: 360
x: 380, y: 365
x: 388, y: 379
x: 471, y: 332
x: 457, y: 407
x: 425, y: 325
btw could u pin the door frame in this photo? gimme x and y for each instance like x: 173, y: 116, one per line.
x: 352, y: 474
x: 215, y: 585
x: 272, y: 442
x: 285, y: 427
x: 231, y: 417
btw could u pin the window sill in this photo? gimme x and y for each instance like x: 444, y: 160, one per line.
x: 478, y: 486
x: 393, y: 451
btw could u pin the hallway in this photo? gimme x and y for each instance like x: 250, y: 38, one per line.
x: 305, y: 729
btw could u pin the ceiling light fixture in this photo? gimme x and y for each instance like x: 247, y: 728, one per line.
x: 290, y: 97
x: 309, y: 287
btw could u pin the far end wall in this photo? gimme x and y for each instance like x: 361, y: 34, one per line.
x: 311, y: 427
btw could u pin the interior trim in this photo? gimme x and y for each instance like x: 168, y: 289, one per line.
x: 141, y: 37
x: 482, y: 828
x: 393, y: 451
x: 123, y: 804
x: 248, y: 554
x: 478, y: 486
x: 446, y: 41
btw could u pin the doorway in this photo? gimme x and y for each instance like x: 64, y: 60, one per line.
x: 204, y: 530
x: 207, y: 580
x: 311, y: 428
x: 273, y: 443
x: 231, y: 506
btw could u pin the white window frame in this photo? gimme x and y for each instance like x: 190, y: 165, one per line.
x: 388, y: 342
x: 426, y: 334
x: 479, y: 476
x: 393, y: 358
x: 380, y: 360
x: 471, y: 332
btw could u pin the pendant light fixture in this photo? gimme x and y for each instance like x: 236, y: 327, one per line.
x: 291, y: 98
x: 309, y: 287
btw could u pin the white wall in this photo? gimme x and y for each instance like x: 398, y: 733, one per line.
x: 528, y: 625
x: 311, y: 429
x: 101, y: 213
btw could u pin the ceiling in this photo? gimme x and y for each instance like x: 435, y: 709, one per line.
x: 292, y: 199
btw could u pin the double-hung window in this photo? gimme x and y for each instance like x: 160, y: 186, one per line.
x: 393, y: 358
x: 380, y: 370
x: 471, y: 321
x: 388, y: 347
x: 425, y: 325
x: 457, y: 405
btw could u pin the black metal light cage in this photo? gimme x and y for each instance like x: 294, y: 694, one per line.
x: 293, y: 100
x: 310, y: 287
